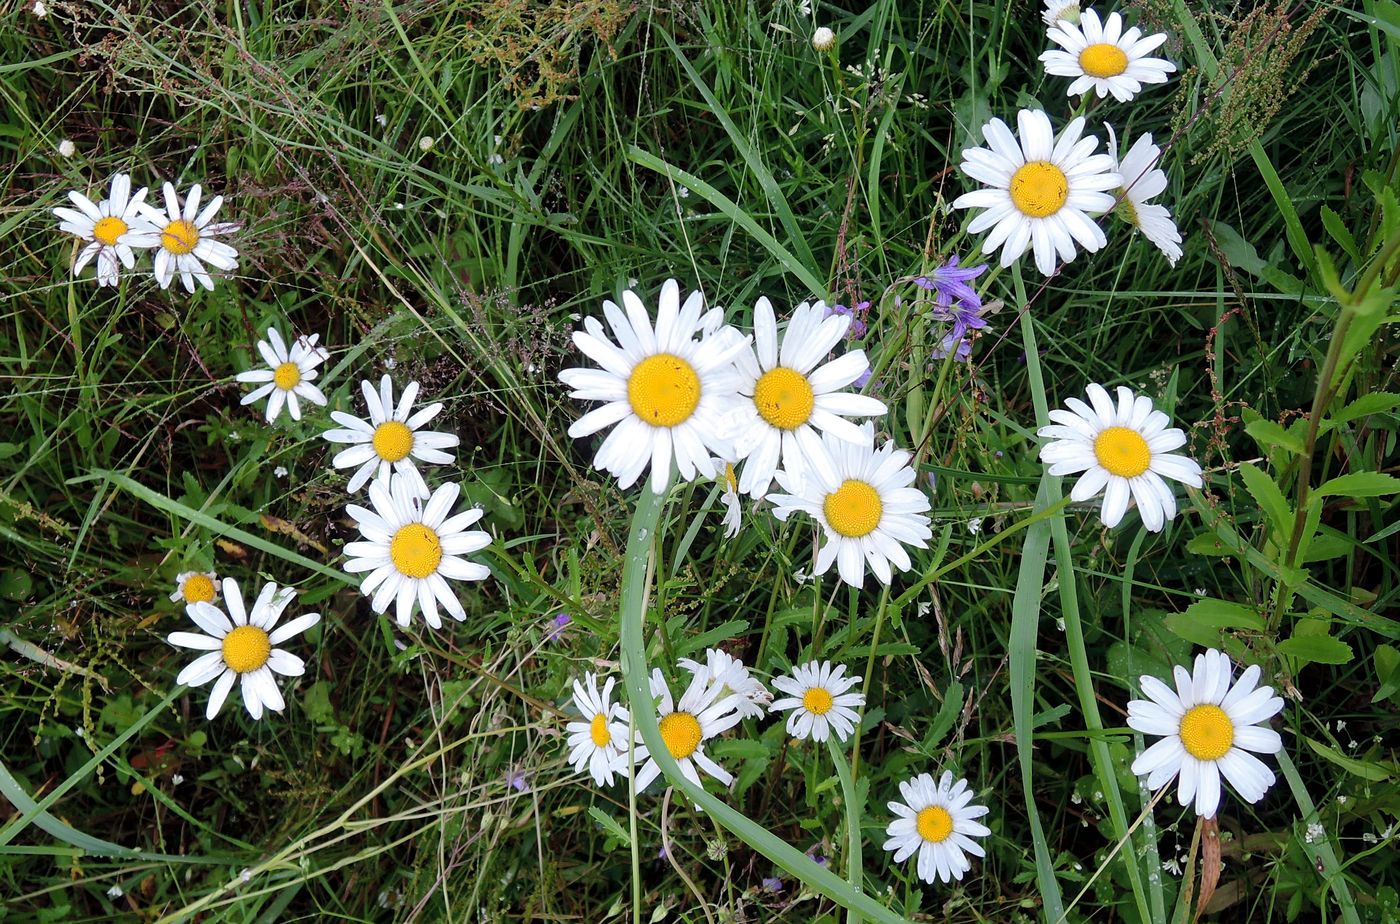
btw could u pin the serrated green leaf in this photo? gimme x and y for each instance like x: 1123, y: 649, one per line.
x: 1269, y: 498
x: 1367, y: 770
x: 1340, y: 233
x: 611, y: 825
x: 1360, y: 484
x: 1317, y: 649
x: 1375, y: 403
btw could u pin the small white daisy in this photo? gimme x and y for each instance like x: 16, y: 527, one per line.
x: 866, y: 507
x: 701, y: 714
x: 391, y: 440
x: 114, y: 226
x: 187, y: 240
x: 1142, y: 180
x: 789, y: 392
x: 1126, y: 452
x: 1208, y: 729
x: 1103, y: 57
x: 819, y: 702
x: 288, y: 374
x: 195, y: 587
x: 412, y: 549
x: 600, y: 740
x: 1056, y: 10
x: 731, y: 675
x: 937, y: 821
x: 666, y: 392
x: 1042, y: 189
x: 242, y: 648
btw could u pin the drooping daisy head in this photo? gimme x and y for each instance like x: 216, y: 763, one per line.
x: 818, y: 701
x: 288, y: 376
x: 195, y: 587
x: 866, y: 505
x: 667, y: 392
x: 730, y: 675
x: 392, y: 439
x: 1143, y: 180
x: 790, y: 391
x: 1103, y: 57
x: 733, y: 512
x: 1056, y: 10
x: 599, y: 741
x: 702, y: 712
x: 938, y: 822
x: 1208, y: 728
x: 113, y: 226
x: 187, y: 239
x: 240, y: 645
x: 1040, y: 189
x: 1124, y: 451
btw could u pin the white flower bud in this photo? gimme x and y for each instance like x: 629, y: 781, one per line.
x: 823, y: 39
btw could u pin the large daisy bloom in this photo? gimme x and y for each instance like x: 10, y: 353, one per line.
x: 818, y: 701
x: 241, y: 646
x: 1103, y: 57
x: 790, y: 392
x: 195, y: 587
x: 1208, y: 728
x: 391, y: 440
x: 1056, y: 10
x: 288, y: 374
x: 1143, y: 180
x: 730, y: 675
x: 703, y: 712
x: 1124, y: 451
x: 599, y: 741
x: 187, y: 239
x: 938, y: 822
x: 863, y: 499
x: 667, y: 393
x: 411, y: 549
x: 113, y: 226
x: 1041, y: 189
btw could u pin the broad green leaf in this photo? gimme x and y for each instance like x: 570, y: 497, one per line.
x: 1367, y: 770
x: 1387, y: 661
x: 1316, y: 649
x: 1270, y: 435
x: 1204, y: 621
x: 943, y: 721
x: 1360, y: 484
x: 1269, y: 498
x: 1375, y: 403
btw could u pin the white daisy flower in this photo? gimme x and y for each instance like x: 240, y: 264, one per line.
x: 701, y: 714
x: 1103, y: 57
x: 288, y: 374
x: 187, y: 239
x: 1042, y: 189
x: 729, y: 673
x: 790, y: 392
x: 819, y: 702
x: 1056, y: 10
x: 937, y: 821
x: 240, y: 646
x: 391, y: 440
x: 600, y: 740
x: 114, y: 226
x: 1208, y: 729
x: 733, y: 513
x: 412, y: 549
x: 195, y: 587
x: 866, y: 507
x: 666, y: 392
x: 1126, y: 452
x: 1142, y: 180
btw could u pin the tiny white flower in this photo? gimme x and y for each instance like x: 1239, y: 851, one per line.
x: 381, y: 119
x: 288, y: 374
x: 67, y: 148
x: 819, y: 701
x: 40, y: 9
x: 1314, y: 833
x: 280, y: 471
x: 177, y: 779
x: 974, y: 525
x: 425, y: 144
x: 115, y: 892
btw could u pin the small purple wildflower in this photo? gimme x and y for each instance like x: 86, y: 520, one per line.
x: 559, y: 623
x: 857, y: 328
x: 863, y: 378
x: 816, y: 857
x: 517, y: 780
x: 954, y: 343
x: 949, y: 283
x: 772, y: 884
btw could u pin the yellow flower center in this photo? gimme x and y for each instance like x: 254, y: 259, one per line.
x: 179, y: 236
x: 935, y: 824
x: 1122, y: 451
x: 681, y: 732
x: 853, y: 509
x: 108, y: 229
x: 1039, y: 188
x: 730, y: 478
x: 198, y: 588
x: 598, y: 731
x: 246, y: 649
x: 1103, y: 60
x: 817, y: 701
x: 784, y: 398
x: 415, y: 550
x: 663, y: 390
x: 1207, y: 732
x: 392, y: 440
x: 1126, y: 210
x: 286, y: 376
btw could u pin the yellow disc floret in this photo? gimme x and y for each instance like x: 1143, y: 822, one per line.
x: 392, y: 440
x: 1103, y: 60
x: 934, y: 823
x: 598, y: 731
x: 817, y: 701
x: 286, y: 376
x: 179, y: 237
x: 784, y: 398
x: 663, y: 390
x: 853, y: 509
x: 1122, y: 451
x: 681, y: 732
x: 415, y: 550
x: 1039, y: 188
x: 246, y: 648
x: 108, y: 229
x: 198, y: 588
x: 1207, y: 732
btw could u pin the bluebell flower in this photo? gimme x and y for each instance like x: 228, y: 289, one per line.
x: 949, y: 283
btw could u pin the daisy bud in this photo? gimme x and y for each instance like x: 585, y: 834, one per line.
x: 823, y: 39
x: 67, y: 148
x: 425, y: 144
